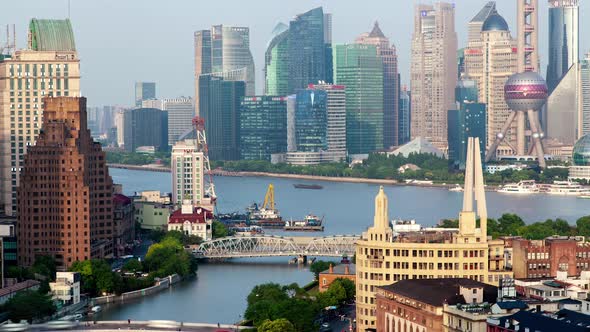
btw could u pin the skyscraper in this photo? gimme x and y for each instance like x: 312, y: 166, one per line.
x: 404, y: 115
x: 585, y: 92
x: 565, y: 106
x: 188, y: 175
x: 307, y: 50
x: 490, y: 60
x: 145, y: 127
x: 276, y: 62
x: 335, y: 120
x: 225, y: 52
x: 359, y: 68
x: 181, y: 112
x: 433, y: 71
x: 311, y: 127
x: 563, y: 39
x: 48, y: 67
x: 220, y: 108
x: 263, y: 127
x: 65, y: 193
x: 474, y: 26
x: 388, y: 55
x: 144, y: 91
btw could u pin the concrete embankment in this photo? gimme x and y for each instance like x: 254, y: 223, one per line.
x: 160, y: 285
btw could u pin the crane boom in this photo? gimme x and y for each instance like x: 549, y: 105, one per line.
x: 201, y: 146
x: 269, y: 198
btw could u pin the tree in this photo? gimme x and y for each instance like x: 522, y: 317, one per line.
x: 29, y: 305
x: 334, y: 296
x: 583, y: 226
x: 348, y: 286
x: 278, y: 325
x: 219, y: 229
x: 45, y: 266
x: 449, y: 223
x: 318, y: 266
x: 509, y: 224
x: 97, y: 277
x: 132, y: 265
x: 169, y: 257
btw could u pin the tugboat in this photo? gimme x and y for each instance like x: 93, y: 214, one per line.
x: 267, y: 215
x: 307, y: 186
x: 310, y: 223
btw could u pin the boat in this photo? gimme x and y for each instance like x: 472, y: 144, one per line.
x: 584, y: 196
x: 456, y: 188
x: 307, y: 186
x: 245, y: 230
x: 267, y: 215
x: 522, y: 187
x: 566, y: 188
x: 310, y: 223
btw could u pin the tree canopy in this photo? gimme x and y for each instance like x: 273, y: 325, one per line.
x: 29, y: 305
x: 318, y: 266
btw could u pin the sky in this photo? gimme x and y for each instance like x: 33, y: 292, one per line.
x: 123, y: 41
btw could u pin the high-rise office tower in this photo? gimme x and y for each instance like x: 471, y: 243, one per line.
x: 563, y: 39
x: 263, y: 127
x: 388, y: 55
x: 145, y: 127
x: 329, y: 78
x: 65, y: 192
x: 144, y: 91
x: 188, y: 175
x: 404, y: 115
x: 220, y: 108
x: 359, y: 68
x: 276, y: 62
x: 474, y: 26
x: 225, y: 52
x: 490, y: 60
x: 335, y: 120
x: 48, y: 67
x: 433, y: 71
x: 181, y: 112
x: 467, y: 120
x: 307, y: 50
x: 585, y: 93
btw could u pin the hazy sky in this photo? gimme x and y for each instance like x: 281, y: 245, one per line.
x: 123, y: 41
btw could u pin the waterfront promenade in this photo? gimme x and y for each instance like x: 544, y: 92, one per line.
x: 152, y: 325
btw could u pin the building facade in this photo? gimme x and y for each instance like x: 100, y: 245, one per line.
x: 181, y: 112
x: 340, y: 271
x: 66, y: 288
x: 335, y: 120
x: 48, y: 67
x: 192, y: 221
x: 145, y: 127
x: 405, y: 112
x: 124, y: 223
x: 433, y: 71
x: 263, y: 127
x: 383, y: 257
x: 276, y: 62
x: 564, y: 44
x: 144, y: 91
x: 188, y: 175
x: 220, y: 108
x: 65, y: 193
x: 391, y: 87
x: 359, y: 68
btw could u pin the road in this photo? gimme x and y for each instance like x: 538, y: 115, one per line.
x: 339, y: 326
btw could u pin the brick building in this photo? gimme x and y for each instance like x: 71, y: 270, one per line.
x: 343, y: 271
x: 543, y: 258
x: 124, y: 223
x: 65, y: 196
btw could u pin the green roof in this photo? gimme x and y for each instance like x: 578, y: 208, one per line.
x: 51, y: 35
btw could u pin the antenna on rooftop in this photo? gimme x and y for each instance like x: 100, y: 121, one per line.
x: 69, y: 8
x: 10, y: 46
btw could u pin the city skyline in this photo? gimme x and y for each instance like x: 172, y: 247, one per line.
x: 175, y: 78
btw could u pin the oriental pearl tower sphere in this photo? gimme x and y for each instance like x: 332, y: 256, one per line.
x: 525, y: 93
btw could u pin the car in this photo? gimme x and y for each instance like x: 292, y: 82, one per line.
x: 325, y: 327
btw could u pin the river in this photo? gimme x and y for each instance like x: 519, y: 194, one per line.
x: 219, y: 293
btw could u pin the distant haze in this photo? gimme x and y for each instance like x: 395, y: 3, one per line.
x: 123, y: 41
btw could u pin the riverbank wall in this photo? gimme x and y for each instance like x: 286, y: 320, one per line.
x: 160, y: 285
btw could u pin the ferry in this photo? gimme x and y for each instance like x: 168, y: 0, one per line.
x: 307, y: 186
x: 567, y: 188
x: 523, y: 187
x: 310, y: 223
x: 456, y: 188
x: 243, y: 230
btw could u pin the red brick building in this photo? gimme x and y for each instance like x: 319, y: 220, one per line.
x: 344, y: 271
x: 543, y: 258
x: 65, y: 197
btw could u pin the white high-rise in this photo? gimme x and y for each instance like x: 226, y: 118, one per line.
x: 188, y: 175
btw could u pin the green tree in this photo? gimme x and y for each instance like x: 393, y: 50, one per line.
x: 278, y: 325
x: 509, y: 224
x: 169, y: 257
x: 97, y: 277
x: 449, y: 223
x: 348, y: 286
x: 319, y: 266
x: 333, y: 296
x: 29, y: 305
x: 132, y: 265
x: 45, y: 266
x: 583, y: 226
x: 219, y: 230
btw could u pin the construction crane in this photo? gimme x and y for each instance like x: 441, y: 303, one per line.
x: 269, y: 198
x: 201, y: 146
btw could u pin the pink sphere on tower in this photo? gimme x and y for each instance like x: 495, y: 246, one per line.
x: 525, y: 91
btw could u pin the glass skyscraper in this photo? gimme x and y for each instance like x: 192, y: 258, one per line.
x: 468, y: 120
x: 144, y: 91
x: 405, y: 111
x: 219, y: 105
x: 311, y: 109
x: 360, y: 69
x: 145, y: 127
x: 276, y: 62
x: 563, y: 39
x: 263, y: 127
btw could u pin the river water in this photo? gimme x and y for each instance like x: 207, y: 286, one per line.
x: 219, y: 293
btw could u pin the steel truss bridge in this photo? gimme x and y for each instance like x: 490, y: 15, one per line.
x: 272, y: 246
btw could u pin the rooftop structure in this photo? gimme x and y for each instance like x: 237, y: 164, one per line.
x: 51, y: 35
x: 417, y: 145
x: 192, y: 220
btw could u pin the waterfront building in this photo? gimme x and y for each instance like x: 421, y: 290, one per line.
x: 66, y: 288
x: 220, y: 108
x: 391, y: 87
x: 152, y: 215
x: 123, y: 223
x: 145, y: 127
x: 188, y: 176
x: 276, y: 62
x: 144, y: 91
x: 468, y: 120
x: 359, y: 68
x: 405, y: 111
x: 564, y: 108
x: 65, y: 192
x: 49, y: 66
x: 263, y: 127
x: 383, y: 257
x: 181, y: 112
x: 192, y: 221
x: 563, y: 320
x: 433, y: 71
x: 490, y: 60
x: 544, y: 258
x: 224, y: 51
x: 563, y: 39
x: 580, y: 168
x: 418, y: 304
x: 152, y: 196
x: 340, y: 271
